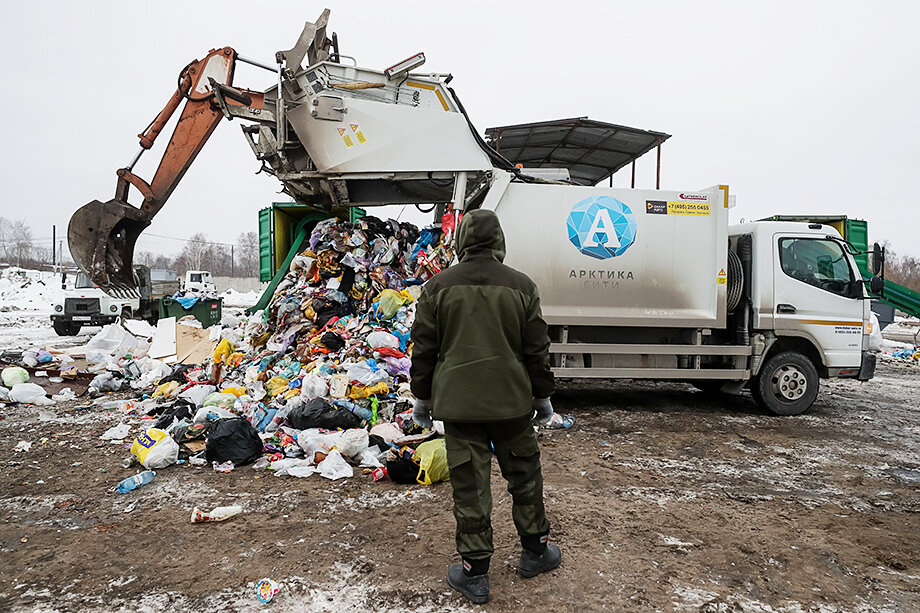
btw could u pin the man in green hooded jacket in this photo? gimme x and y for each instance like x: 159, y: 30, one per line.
x: 480, y: 362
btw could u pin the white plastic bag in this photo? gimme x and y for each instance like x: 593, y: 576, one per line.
x: 13, y: 375
x: 382, y: 339
x: 335, y: 467
x: 368, y: 458
x: 197, y: 393
x: 365, y: 375
x: 312, y: 441
x: 313, y: 386
x: 116, y: 432
x: 29, y: 393
x: 353, y: 442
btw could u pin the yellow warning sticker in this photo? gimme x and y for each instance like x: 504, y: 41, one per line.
x: 358, y: 133
x: 347, y: 140
x: 688, y: 208
x: 720, y: 278
x: 341, y: 131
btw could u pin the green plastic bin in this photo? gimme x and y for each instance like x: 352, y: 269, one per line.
x: 207, y: 311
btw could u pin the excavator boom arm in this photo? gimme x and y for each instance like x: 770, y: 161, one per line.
x: 102, y: 235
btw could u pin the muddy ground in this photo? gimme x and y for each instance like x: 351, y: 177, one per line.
x: 662, y: 499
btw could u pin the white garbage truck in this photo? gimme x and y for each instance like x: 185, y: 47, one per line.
x: 641, y: 284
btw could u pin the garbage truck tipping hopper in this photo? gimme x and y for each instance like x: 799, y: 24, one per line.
x: 645, y: 284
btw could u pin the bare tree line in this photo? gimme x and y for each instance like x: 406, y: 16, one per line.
x: 903, y: 270
x: 19, y: 247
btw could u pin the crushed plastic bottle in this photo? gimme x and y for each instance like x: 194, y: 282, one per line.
x: 131, y: 483
x: 558, y: 422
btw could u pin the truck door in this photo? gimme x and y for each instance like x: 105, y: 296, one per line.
x: 812, y: 280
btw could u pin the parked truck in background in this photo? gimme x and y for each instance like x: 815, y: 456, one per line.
x: 198, y: 280
x: 86, y: 304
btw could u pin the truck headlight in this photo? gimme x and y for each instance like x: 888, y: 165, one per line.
x: 58, y: 308
x: 113, y: 308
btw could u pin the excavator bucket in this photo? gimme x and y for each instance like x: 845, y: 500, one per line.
x: 101, y: 236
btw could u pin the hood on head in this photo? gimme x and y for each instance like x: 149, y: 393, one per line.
x: 480, y: 232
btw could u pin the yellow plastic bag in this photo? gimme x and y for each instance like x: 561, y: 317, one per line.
x: 155, y: 448
x: 276, y: 385
x: 236, y: 391
x: 166, y: 390
x: 432, y: 462
x: 388, y: 302
x: 222, y: 351
x: 361, y: 391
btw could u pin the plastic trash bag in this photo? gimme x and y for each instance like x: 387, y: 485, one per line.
x: 335, y: 467
x: 313, y: 386
x: 276, y: 385
x: 106, y: 382
x: 365, y: 374
x: 313, y: 440
x: 197, y: 394
x: 388, y: 302
x: 232, y: 440
x: 154, y: 448
x: 318, y: 413
x: 13, y: 375
x: 116, y: 432
x: 5, y: 393
x: 29, y: 393
x: 218, y: 399
x: 382, y: 339
x: 353, y: 442
x: 432, y: 462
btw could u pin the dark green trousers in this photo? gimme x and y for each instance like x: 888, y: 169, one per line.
x: 469, y: 455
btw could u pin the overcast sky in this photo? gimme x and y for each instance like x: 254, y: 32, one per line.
x: 801, y: 107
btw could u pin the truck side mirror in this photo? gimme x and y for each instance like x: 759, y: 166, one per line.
x: 878, y: 259
x: 877, y: 286
x: 63, y: 279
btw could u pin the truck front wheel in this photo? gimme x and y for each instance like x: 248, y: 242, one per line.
x: 66, y: 328
x: 787, y: 384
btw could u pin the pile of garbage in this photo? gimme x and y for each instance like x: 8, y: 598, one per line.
x: 316, y: 383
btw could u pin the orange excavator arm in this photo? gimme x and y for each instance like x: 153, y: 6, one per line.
x: 102, y: 235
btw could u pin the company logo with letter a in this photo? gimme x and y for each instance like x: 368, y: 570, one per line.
x: 601, y: 227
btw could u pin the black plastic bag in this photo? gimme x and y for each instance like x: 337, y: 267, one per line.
x: 333, y: 341
x: 232, y: 440
x: 179, y: 410
x: 403, y: 469
x: 317, y: 413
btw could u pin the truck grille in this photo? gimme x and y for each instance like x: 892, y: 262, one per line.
x: 81, y: 306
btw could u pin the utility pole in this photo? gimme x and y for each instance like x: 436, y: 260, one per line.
x: 53, y: 245
x: 231, y: 261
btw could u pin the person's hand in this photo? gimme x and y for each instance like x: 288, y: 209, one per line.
x: 543, y: 411
x: 421, y: 412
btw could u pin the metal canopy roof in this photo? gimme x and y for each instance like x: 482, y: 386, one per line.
x: 591, y: 150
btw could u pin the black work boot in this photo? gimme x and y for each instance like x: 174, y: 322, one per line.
x: 538, y: 557
x: 473, y: 586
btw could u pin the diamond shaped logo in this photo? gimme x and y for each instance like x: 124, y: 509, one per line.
x: 601, y: 227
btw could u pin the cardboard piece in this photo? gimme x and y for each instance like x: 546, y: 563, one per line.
x: 193, y: 345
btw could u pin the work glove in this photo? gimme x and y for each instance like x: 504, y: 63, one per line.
x: 421, y: 412
x: 543, y: 411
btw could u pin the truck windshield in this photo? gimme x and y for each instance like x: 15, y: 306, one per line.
x: 82, y: 282
x: 195, y: 277
x: 818, y: 262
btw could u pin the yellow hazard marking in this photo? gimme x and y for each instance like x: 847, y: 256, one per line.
x: 431, y: 88
x: 724, y: 189
x: 700, y: 209
x: 721, y: 279
x: 341, y: 131
x: 354, y: 127
x: 361, y: 138
x: 347, y: 140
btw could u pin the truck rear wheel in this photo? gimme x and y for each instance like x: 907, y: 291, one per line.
x: 787, y: 384
x: 65, y: 328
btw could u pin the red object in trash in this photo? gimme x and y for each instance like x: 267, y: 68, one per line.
x: 379, y: 473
